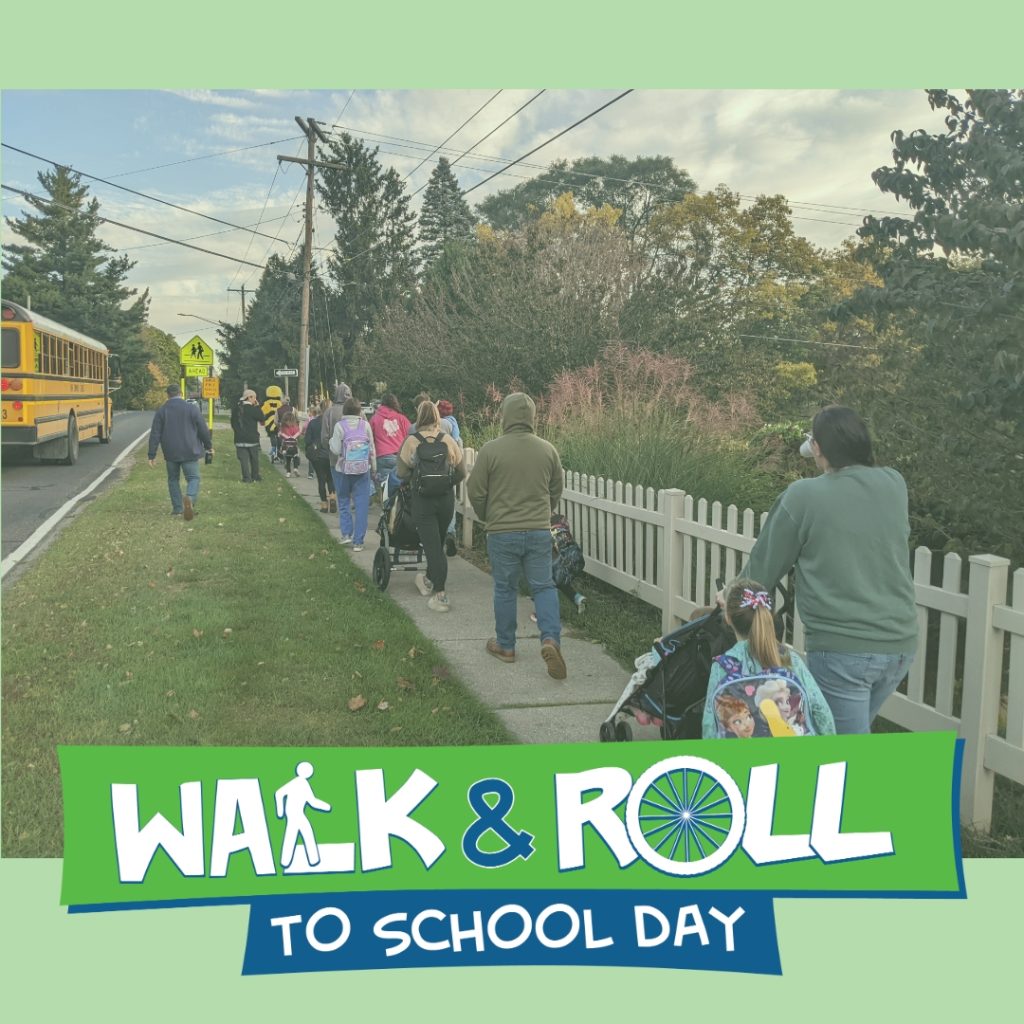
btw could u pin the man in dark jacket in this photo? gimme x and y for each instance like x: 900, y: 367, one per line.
x: 514, y: 487
x: 179, y: 431
x: 245, y: 420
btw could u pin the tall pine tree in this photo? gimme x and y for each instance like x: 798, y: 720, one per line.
x: 374, y: 262
x: 72, y: 276
x: 445, y: 219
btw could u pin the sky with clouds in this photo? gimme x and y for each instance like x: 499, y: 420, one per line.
x: 215, y: 153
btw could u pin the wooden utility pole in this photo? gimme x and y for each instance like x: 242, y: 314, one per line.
x: 242, y: 290
x: 312, y: 132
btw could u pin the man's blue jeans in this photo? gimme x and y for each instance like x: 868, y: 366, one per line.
x: 174, y: 470
x: 857, y: 685
x: 523, y: 553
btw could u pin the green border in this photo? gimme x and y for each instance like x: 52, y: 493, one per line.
x: 843, y: 960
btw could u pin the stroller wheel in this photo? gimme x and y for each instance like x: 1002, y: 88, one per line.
x: 623, y: 732
x: 607, y: 732
x: 382, y: 568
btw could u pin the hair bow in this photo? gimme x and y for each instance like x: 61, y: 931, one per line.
x: 756, y: 599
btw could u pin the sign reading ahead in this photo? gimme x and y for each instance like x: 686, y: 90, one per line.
x: 211, y: 387
x: 195, y: 371
x: 196, y: 353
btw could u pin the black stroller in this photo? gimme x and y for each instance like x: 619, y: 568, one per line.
x: 399, y: 540
x: 670, y: 683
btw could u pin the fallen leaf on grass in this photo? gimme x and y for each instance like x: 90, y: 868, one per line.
x: 434, y: 711
x: 383, y: 706
x: 197, y: 633
x: 220, y: 524
x: 127, y: 675
x: 227, y: 631
x: 357, y: 674
x: 125, y: 728
x: 378, y: 645
x: 440, y: 672
x: 193, y: 714
x: 412, y: 652
x: 360, y: 587
x: 311, y: 557
x: 258, y: 663
x: 357, y: 703
x: 152, y: 583
x: 282, y: 519
x: 395, y: 728
x: 169, y: 693
x: 405, y: 684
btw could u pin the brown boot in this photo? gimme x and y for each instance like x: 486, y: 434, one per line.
x: 323, y: 506
x: 552, y: 656
x: 332, y: 503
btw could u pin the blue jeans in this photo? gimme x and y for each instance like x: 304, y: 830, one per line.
x: 355, y: 488
x: 857, y: 685
x: 385, y: 463
x: 174, y: 469
x: 523, y: 553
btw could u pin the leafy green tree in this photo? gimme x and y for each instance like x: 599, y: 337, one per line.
x: 445, y: 217
x: 637, y: 188
x: 374, y: 262
x: 71, y: 275
x: 163, y: 366
x: 959, y: 260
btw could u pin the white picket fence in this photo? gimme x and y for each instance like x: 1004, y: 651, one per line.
x: 668, y: 548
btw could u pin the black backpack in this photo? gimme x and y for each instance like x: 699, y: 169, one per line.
x: 431, y: 474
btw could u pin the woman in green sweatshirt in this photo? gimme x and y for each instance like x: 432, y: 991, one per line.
x: 847, y: 533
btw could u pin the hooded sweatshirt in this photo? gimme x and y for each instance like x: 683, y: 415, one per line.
x: 342, y: 393
x: 517, y: 479
x: 389, y: 430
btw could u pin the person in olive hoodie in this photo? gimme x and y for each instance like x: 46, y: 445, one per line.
x: 847, y: 534
x: 514, y: 487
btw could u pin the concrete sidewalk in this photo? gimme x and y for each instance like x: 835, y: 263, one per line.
x: 534, y: 707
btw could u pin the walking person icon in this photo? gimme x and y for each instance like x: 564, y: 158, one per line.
x: 291, y: 801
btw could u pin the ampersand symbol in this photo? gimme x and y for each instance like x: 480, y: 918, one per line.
x: 492, y: 819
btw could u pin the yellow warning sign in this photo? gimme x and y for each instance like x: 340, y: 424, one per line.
x: 196, y: 353
x: 211, y: 387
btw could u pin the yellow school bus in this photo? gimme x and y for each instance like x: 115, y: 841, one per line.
x: 55, y: 386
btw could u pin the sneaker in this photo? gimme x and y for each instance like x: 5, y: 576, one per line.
x: 449, y: 545
x: 439, y: 603
x: 346, y: 540
x: 357, y: 547
x: 581, y: 604
x: 189, y: 513
x: 423, y: 585
x: 552, y: 656
x: 499, y: 652
x: 533, y: 616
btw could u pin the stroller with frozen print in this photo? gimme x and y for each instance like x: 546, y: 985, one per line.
x: 399, y: 539
x: 670, y: 684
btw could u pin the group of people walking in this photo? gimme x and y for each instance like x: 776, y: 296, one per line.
x: 843, y: 533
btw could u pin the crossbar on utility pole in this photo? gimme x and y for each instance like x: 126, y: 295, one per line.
x: 242, y: 290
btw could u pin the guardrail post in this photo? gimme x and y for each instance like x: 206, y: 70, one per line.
x: 979, y: 714
x: 670, y: 574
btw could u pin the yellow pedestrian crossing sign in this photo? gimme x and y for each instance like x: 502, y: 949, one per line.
x: 196, y: 353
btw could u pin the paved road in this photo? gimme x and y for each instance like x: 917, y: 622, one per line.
x: 30, y: 492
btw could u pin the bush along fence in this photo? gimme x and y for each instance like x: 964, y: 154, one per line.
x: 668, y: 548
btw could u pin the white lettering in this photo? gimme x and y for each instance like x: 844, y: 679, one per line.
x: 506, y: 910
x: 380, y: 929
x: 241, y: 798
x: 640, y: 915
x: 829, y: 843
x: 697, y: 928
x: 328, y: 947
x: 476, y: 933
x: 285, y: 924
x: 136, y: 847
x: 727, y: 923
x: 570, y: 935
x: 572, y: 814
x: 417, y: 934
x: 758, y: 841
x: 381, y: 817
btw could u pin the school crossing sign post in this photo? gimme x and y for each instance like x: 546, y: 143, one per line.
x: 196, y: 358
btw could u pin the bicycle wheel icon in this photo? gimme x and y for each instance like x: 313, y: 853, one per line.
x: 685, y: 816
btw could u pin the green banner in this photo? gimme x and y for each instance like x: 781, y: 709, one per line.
x: 828, y: 815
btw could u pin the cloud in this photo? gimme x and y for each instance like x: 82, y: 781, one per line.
x: 217, y: 99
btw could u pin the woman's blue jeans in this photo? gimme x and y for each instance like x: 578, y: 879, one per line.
x: 857, y: 685
x: 349, y: 487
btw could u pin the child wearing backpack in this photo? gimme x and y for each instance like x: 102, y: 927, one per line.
x: 288, y: 441
x: 761, y: 687
x: 432, y: 463
x: 352, y: 445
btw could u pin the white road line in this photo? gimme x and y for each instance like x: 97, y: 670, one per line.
x: 21, y: 552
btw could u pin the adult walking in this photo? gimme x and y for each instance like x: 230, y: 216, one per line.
x: 246, y: 418
x: 847, y: 534
x: 451, y: 424
x: 515, y: 486
x: 319, y: 458
x: 180, y: 433
x: 433, y: 464
x: 390, y: 427
x: 352, y: 444
x: 334, y: 412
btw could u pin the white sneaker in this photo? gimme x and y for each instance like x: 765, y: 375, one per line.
x: 423, y: 585
x: 357, y: 547
x: 346, y: 540
x: 439, y: 603
x: 581, y: 605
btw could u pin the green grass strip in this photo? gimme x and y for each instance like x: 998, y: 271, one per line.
x: 248, y: 626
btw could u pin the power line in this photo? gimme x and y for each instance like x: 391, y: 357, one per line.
x: 208, y: 156
x: 134, y: 192
x: 131, y: 227
x: 486, y: 137
x: 192, y: 238
x: 454, y: 133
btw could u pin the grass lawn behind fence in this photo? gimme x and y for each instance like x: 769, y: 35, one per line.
x: 248, y: 626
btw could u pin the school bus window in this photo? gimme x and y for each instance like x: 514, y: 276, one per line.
x: 11, y: 348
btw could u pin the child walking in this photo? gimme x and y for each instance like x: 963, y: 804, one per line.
x: 761, y: 687
x: 288, y: 442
